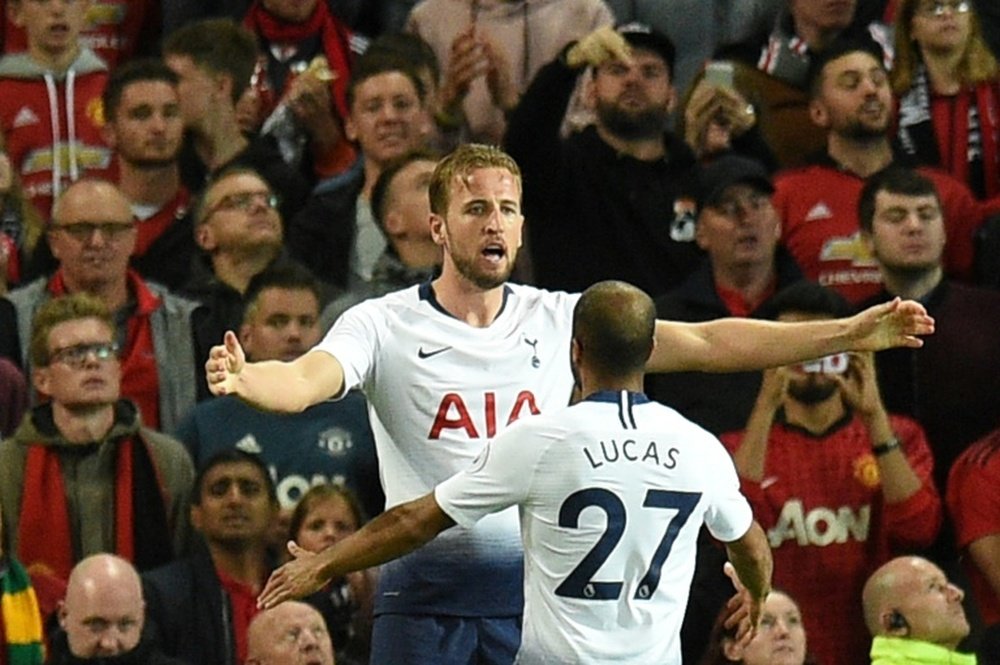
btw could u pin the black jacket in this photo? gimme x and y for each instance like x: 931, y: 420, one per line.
x: 591, y: 213
x: 718, y: 402
x: 145, y: 653
x: 190, y: 611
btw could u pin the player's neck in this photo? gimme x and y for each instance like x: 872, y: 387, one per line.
x: 149, y: 186
x: 862, y: 157
x: 644, y: 149
x: 467, y: 302
x: 942, y: 69
x: 113, y: 292
x: 221, y: 143
x: 750, y: 280
x: 239, y: 265
x: 911, y: 284
x: 245, y: 562
x: 83, y: 424
x: 57, y: 62
x: 591, y: 383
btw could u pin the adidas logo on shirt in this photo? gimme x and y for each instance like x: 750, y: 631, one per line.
x: 819, y: 211
x: 248, y: 444
x: 24, y: 118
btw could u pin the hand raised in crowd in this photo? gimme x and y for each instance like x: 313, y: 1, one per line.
x: 894, y: 323
x: 466, y: 62
x: 224, y: 364
x: 773, y: 388
x: 859, y: 386
x: 299, y: 577
x: 714, y: 116
x: 311, y: 101
x: 597, y: 48
x: 499, y: 78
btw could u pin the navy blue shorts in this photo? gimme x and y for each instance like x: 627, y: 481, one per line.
x: 423, y: 639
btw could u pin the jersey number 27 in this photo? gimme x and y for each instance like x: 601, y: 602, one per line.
x: 579, y: 583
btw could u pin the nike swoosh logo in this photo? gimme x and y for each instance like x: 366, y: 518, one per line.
x: 427, y: 354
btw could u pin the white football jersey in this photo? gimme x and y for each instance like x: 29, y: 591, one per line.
x: 438, y: 389
x: 612, y: 493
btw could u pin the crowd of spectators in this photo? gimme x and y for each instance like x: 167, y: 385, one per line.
x: 171, y: 170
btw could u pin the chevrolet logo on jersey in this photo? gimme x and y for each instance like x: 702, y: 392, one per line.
x: 87, y: 157
x: 102, y: 14
x: 850, y: 248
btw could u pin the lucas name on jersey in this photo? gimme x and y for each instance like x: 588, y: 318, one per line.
x: 612, y: 451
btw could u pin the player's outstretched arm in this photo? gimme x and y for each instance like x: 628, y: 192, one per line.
x: 389, y: 536
x: 736, y: 344
x: 750, y: 569
x: 273, y: 385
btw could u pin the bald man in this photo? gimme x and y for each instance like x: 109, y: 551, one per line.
x: 292, y: 633
x: 92, y: 236
x: 914, y: 614
x: 612, y: 493
x: 103, y: 616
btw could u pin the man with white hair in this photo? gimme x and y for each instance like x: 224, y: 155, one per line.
x: 292, y: 633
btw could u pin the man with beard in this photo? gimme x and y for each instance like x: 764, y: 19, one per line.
x: 818, y: 203
x: 145, y: 128
x: 953, y: 386
x: 449, y: 363
x: 606, y: 203
x: 839, y: 485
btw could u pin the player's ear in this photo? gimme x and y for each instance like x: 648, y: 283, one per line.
x: 672, y: 99
x: 818, y: 114
x: 61, y: 609
x: 437, y: 229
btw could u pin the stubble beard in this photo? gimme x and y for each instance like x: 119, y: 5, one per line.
x: 631, y: 125
x: 482, y: 280
x: 811, y: 392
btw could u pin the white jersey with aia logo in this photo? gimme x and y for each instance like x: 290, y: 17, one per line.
x: 612, y: 493
x: 438, y: 389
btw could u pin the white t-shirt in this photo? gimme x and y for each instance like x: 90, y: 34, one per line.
x: 437, y: 390
x: 612, y: 493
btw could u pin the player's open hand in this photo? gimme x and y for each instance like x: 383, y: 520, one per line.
x: 224, y: 364
x: 743, y: 612
x: 895, y: 323
x: 299, y: 577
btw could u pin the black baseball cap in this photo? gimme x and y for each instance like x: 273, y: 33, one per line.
x: 719, y: 174
x: 641, y: 35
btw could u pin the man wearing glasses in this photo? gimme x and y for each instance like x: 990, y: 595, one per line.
x: 92, y: 236
x: 238, y: 227
x: 81, y: 474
